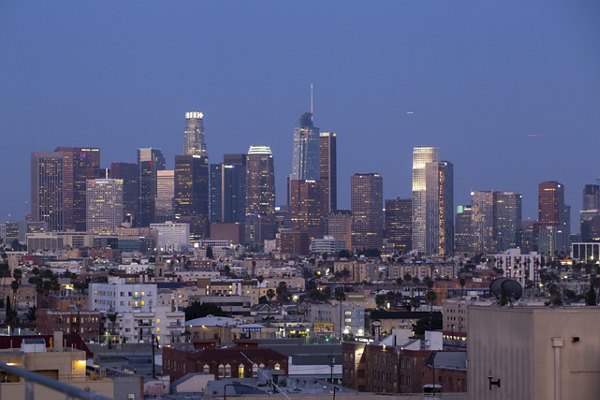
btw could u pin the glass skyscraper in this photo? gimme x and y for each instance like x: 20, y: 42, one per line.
x: 421, y: 156
x: 193, y: 141
x: 306, y: 152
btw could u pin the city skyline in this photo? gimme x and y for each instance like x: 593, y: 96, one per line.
x: 397, y: 94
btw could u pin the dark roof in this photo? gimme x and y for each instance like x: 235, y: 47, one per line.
x: 234, y: 352
x: 14, y: 342
x: 382, y: 314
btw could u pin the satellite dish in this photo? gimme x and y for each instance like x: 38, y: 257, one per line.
x: 507, y: 291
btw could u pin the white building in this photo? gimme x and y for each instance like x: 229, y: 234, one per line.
x: 104, y: 201
x: 520, y: 267
x: 327, y: 245
x: 118, y: 296
x: 172, y: 236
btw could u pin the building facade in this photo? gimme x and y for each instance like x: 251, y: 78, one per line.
x: 191, y: 193
x: 421, y: 156
x: 150, y: 161
x: 439, y: 197
x: 260, y: 193
x: 47, y: 200
x: 398, y: 223
x: 165, y: 194
x: 328, y: 170
x: 104, y: 199
x: 367, y: 210
x: 129, y: 173
x: 193, y: 134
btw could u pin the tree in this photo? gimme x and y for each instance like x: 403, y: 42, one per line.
x: 430, y: 322
x: 380, y: 300
x: 399, y: 281
x: 340, y: 294
x: 253, y: 268
x: 198, y: 310
x: 209, y: 253
x: 430, y: 297
x: 344, y: 254
x: 590, y: 297
x: 260, y: 279
x: 462, y: 283
x: 283, y: 293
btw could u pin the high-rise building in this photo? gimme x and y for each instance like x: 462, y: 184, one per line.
x: 306, y: 153
x: 398, y: 223
x: 79, y: 165
x: 553, y: 219
x: 260, y: 192
x: 129, y: 173
x: 193, y: 141
x: 191, y: 193
x: 463, y: 233
x: 150, y: 161
x: 165, y: 194
x: 367, y: 211
x: 508, y: 221
x: 228, y: 189
x: 483, y: 221
x: 421, y: 156
x: 439, y: 208
x: 339, y: 226
x: 47, y: 188
x: 590, y: 213
x: 328, y: 170
x: 306, y: 208
x: 104, y: 200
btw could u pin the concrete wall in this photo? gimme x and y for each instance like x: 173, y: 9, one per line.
x: 515, y: 346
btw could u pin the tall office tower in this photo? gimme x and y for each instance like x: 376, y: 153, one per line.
x: 552, y: 219
x: 306, y: 208
x: 191, y: 193
x: 483, y: 221
x: 463, y: 232
x: 439, y: 209
x: 47, y: 189
x: 398, y: 223
x: 421, y: 156
x: 339, y: 225
x: 79, y: 165
x: 508, y: 221
x: 590, y: 212
x: 129, y: 173
x: 367, y: 210
x: 306, y: 153
x: 260, y: 193
x: 193, y: 141
x: 165, y: 194
x: 328, y: 170
x: 228, y: 189
x: 104, y: 207
x: 530, y: 236
x: 150, y: 161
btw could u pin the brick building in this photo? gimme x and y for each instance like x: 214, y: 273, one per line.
x: 87, y: 324
x: 230, y: 362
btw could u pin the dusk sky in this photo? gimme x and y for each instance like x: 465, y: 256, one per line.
x: 508, y: 90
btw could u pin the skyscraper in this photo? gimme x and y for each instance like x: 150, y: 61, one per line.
x: 339, y: 225
x: 129, y: 173
x: 553, y: 219
x: 47, y: 188
x: 398, y: 223
x: 193, y: 141
x: 104, y: 199
x: 439, y: 229
x: 191, y: 193
x: 306, y: 153
x: 483, y: 221
x: 165, y: 193
x: 463, y: 233
x: 589, y: 216
x: 306, y: 208
x: 328, y: 170
x: 260, y: 192
x: 508, y: 221
x: 228, y: 189
x: 149, y: 162
x: 367, y: 210
x: 421, y: 156
x: 79, y: 165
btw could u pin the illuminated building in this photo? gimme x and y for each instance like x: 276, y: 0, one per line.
x: 79, y: 165
x: 339, y: 226
x: 421, y: 156
x: 483, y: 221
x: 193, y: 141
x: 590, y: 213
x: 47, y: 189
x: 150, y: 161
x: 553, y: 219
x: 191, y: 193
x: 328, y: 170
x: 439, y: 228
x: 165, y: 192
x: 260, y: 193
x: 306, y: 208
x: 306, y: 153
x: 463, y: 232
x: 398, y: 223
x: 228, y: 189
x: 104, y: 205
x: 508, y: 221
x: 367, y: 210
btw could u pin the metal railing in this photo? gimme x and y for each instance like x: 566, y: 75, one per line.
x: 31, y: 378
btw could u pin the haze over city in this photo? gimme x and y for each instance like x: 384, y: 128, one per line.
x: 508, y: 91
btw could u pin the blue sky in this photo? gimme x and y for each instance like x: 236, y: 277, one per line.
x: 508, y: 90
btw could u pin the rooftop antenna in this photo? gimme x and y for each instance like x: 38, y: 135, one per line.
x: 312, y: 101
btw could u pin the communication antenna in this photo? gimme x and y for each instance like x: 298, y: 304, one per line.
x: 312, y: 100
x: 507, y: 291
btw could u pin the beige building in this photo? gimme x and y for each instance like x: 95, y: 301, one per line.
x: 533, y: 353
